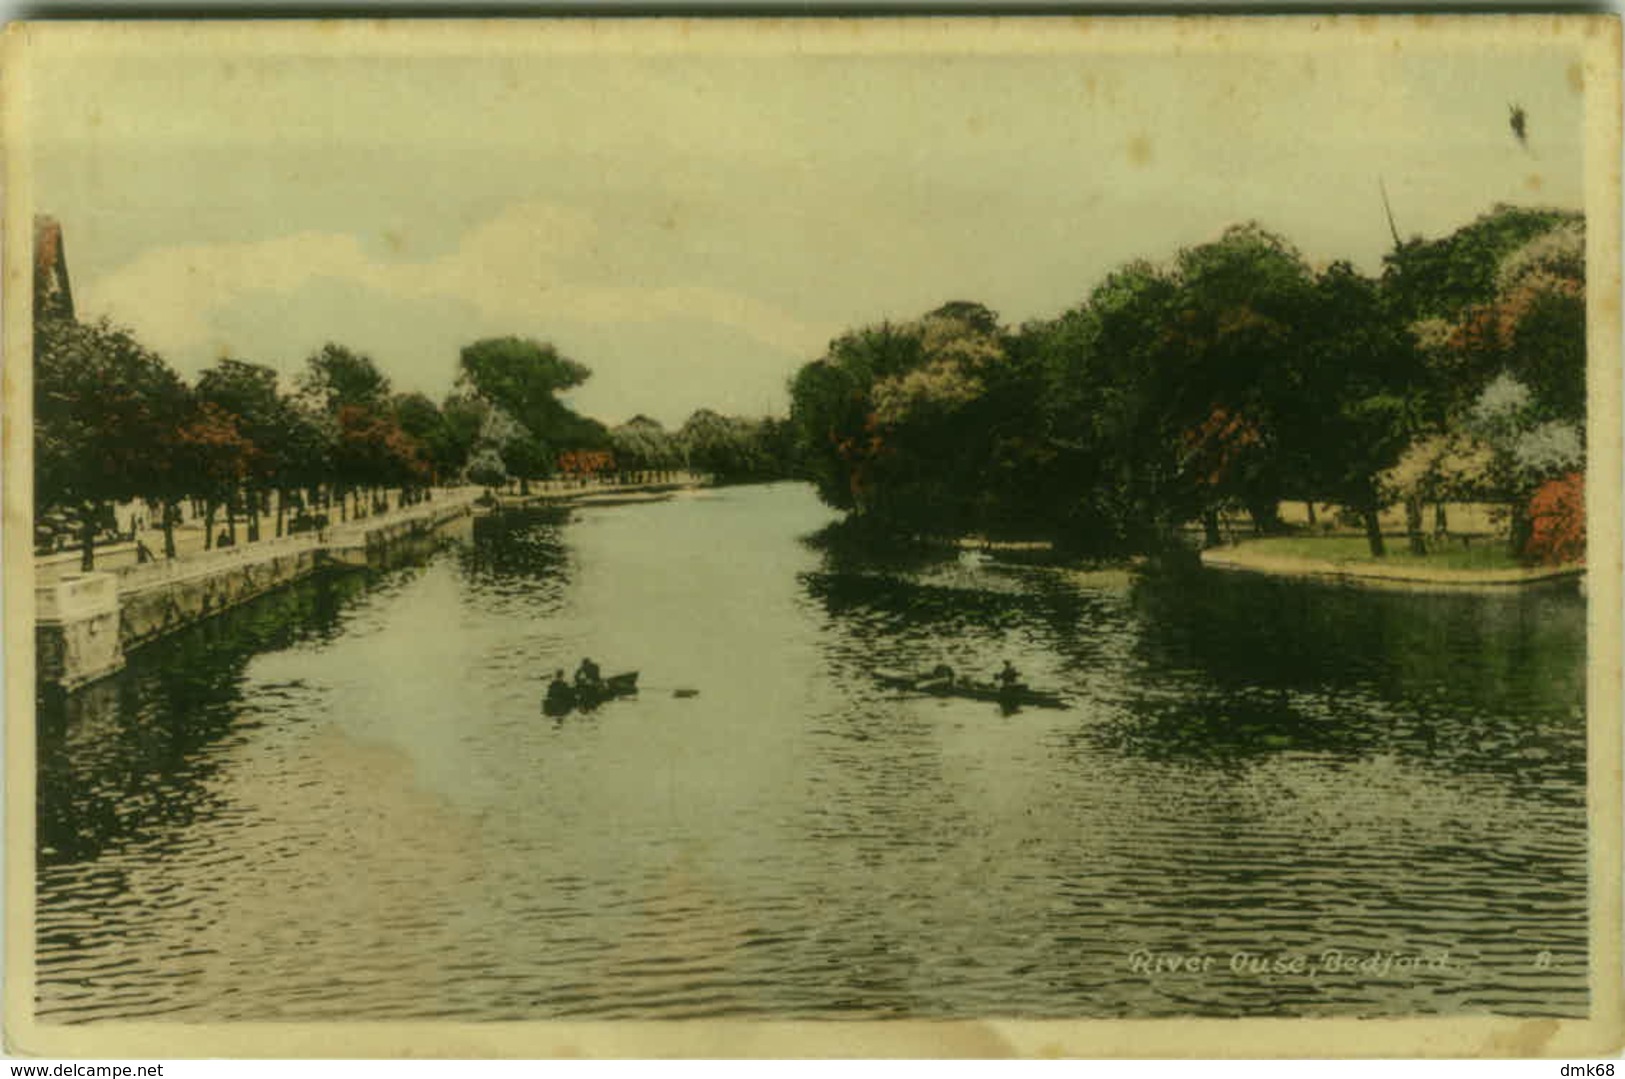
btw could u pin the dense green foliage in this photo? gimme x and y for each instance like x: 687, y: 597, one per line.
x: 1233, y: 376
x: 115, y: 424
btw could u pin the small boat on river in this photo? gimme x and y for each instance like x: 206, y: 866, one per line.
x: 563, y: 698
x: 939, y: 684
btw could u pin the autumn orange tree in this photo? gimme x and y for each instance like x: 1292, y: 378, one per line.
x: 373, y: 452
x: 214, y: 457
x: 370, y: 450
x: 1557, y: 533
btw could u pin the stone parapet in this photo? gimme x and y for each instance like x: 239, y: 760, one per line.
x: 76, y: 629
x: 85, y: 623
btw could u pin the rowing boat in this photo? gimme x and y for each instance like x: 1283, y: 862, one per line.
x: 562, y: 698
x: 939, y: 685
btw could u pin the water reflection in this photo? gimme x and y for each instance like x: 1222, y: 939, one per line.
x: 1476, y: 682
x: 119, y: 762
x: 520, y: 545
x: 1289, y: 763
x: 344, y: 801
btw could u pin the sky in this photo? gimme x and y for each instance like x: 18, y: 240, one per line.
x: 694, y: 218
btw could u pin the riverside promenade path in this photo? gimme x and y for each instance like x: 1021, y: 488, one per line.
x: 122, y: 558
x: 85, y: 623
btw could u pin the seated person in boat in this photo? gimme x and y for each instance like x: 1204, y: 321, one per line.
x: 588, y: 676
x: 558, y: 690
x: 941, y: 673
x: 1009, y: 677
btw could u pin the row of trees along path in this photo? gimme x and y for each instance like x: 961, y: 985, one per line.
x: 114, y: 423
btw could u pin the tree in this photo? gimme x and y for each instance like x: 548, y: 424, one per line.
x: 352, y: 396
x: 1533, y: 326
x: 374, y: 451
x: 1438, y: 468
x: 523, y: 378
x: 732, y: 449
x: 485, y: 467
x: 421, y: 420
x: 896, y: 421
x: 642, y: 444
x: 1169, y: 393
x: 105, y: 412
x: 1505, y: 293
x: 1515, y: 361
x: 451, y: 445
x: 248, y: 391
x: 305, y: 453
x: 1360, y: 383
x: 1230, y: 350
x: 1442, y: 278
x: 335, y: 377
x: 1557, y: 517
x: 831, y: 409
x: 215, y: 456
x: 975, y: 317
x: 1118, y: 445
x: 1526, y: 449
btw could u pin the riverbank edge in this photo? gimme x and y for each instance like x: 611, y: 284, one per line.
x: 603, y: 494
x: 1372, y: 575
x: 86, y: 624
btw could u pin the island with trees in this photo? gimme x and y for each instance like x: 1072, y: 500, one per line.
x: 1235, y: 380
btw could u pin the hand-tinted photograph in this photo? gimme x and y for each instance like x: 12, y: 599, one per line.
x: 1014, y: 520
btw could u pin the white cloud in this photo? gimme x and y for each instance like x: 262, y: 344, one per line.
x: 515, y: 266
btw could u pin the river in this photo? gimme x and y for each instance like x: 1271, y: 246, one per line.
x: 1265, y: 798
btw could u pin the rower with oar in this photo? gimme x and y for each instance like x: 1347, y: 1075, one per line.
x: 1009, y: 679
x: 560, y: 696
x: 589, y: 679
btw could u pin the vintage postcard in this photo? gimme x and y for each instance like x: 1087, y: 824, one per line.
x: 885, y: 537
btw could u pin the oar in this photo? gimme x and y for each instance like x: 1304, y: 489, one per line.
x: 676, y: 691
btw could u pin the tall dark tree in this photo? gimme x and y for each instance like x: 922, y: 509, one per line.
x: 1441, y: 278
x: 452, y: 446
x: 305, y: 442
x: 524, y: 377
x: 420, y: 419
x: 248, y: 391
x: 1230, y: 348
x: 1363, y: 387
x: 105, y: 413
x: 336, y: 376
x: 352, y: 395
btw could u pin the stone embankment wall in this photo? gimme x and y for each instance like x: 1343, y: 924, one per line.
x: 85, y: 623
x: 380, y: 546
x: 76, y: 630
x: 159, y: 607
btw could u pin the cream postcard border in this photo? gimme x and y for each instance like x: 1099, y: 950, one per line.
x: 28, y: 49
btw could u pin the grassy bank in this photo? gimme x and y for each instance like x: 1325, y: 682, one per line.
x: 1485, y: 563
x: 1483, y: 553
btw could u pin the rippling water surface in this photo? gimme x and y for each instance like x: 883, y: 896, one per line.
x: 344, y: 802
